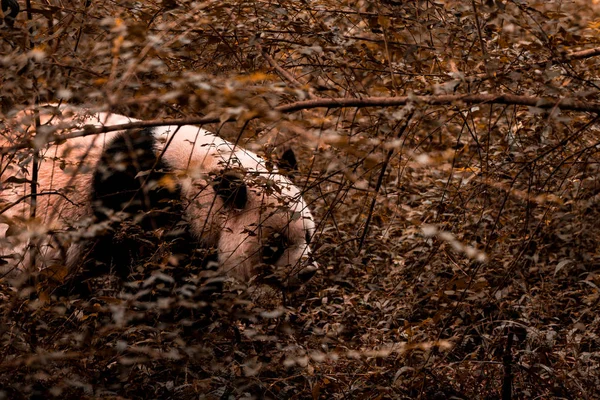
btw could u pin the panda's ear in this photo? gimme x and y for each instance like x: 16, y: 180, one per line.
x: 287, y: 161
x: 230, y: 186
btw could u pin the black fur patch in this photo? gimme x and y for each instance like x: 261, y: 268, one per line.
x: 230, y: 186
x: 273, y: 248
x: 129, y: 178
x: 287, y: 161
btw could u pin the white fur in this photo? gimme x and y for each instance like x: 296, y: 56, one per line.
x: 193, y: 153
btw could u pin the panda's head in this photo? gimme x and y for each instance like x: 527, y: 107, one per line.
x: 265, y: 228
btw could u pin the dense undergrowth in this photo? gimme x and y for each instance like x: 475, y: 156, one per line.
x: 457, y: 242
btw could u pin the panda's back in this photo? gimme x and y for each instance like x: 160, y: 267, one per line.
x: 194, y: 147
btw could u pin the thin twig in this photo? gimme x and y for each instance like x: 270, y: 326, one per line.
x: 386, y: 162
x: 507, y: 363
x: 478, y: 24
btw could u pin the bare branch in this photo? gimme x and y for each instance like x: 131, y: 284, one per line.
x: 539, y: 102
x: 570, y: 104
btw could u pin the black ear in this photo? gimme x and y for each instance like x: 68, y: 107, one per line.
x: 287, y: 161
x: 231, y: 187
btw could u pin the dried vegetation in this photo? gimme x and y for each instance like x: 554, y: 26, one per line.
x: 458, y: 242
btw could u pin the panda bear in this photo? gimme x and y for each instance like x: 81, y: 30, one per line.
x: 169, y: 178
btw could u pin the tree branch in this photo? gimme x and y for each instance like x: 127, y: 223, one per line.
x: 547, y: 103
x: 539, y: 102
